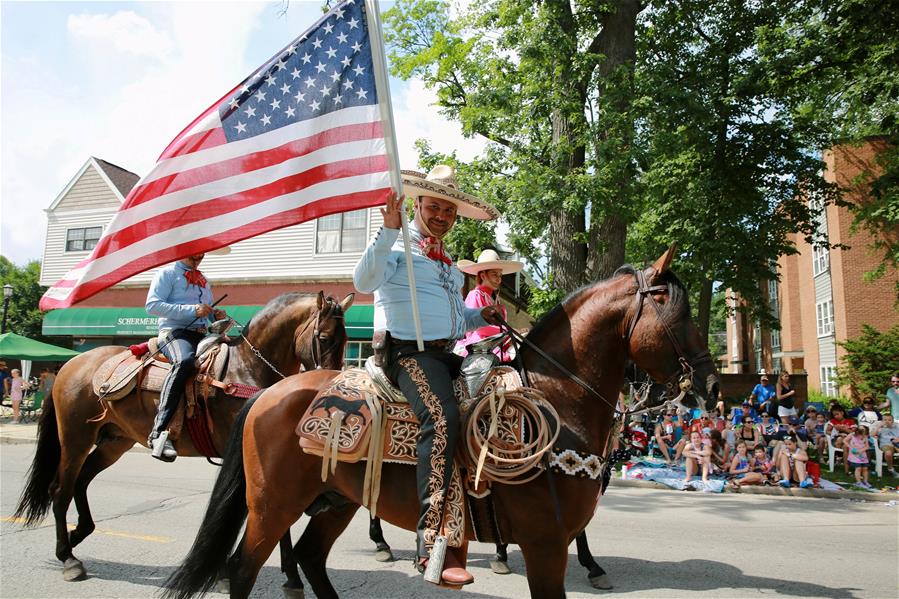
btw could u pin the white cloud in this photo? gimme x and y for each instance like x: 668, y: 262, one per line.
x: 122, y: 32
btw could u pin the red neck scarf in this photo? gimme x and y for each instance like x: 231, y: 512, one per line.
x: 432, y: 247
x: 195, y: 277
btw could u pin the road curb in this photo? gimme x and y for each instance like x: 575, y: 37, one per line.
x: 792, y: 492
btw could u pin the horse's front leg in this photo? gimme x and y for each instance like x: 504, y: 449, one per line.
x: 597, y: 576
x: 545, y: 560
x: 382, y: 549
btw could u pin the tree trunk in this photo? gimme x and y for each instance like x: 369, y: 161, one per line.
x: 608, y: 227
x: 567, y: 249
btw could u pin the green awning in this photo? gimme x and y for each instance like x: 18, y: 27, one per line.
x: 135, y: 322
x: 22, y: 348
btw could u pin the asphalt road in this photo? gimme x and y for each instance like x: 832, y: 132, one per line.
x: 652, y: 543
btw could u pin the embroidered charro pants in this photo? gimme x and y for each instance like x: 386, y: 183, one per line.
x: 426, y: 379
x: 181, y: 352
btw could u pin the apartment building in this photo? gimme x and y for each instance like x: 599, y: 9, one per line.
x: 822, y: 297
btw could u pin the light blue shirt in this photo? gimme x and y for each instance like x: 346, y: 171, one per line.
x: 382, y: 271
x: 174, y: 300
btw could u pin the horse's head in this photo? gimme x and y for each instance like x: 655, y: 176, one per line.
x: 661, y: 337
x: 319, y: 342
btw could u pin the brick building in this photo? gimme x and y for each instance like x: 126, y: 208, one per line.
x: 822, y: 297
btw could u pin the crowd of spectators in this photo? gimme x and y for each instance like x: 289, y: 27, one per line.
x: 752, y: 446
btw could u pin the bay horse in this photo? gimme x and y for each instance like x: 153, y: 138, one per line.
x: 268, y: 482
x: 79, y: 437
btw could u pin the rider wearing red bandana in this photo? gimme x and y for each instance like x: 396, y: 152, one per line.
x: 181, y: 297
x: 426, y: 378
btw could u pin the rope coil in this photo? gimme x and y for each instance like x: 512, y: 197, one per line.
x: 496, y: 459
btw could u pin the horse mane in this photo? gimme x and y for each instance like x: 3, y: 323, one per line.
x: 677, y: 305
x: 274, y: 306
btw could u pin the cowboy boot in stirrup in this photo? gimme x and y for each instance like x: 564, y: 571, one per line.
x: 454, y: 573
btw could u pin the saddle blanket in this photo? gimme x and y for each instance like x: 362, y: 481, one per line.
x: 340, y: 419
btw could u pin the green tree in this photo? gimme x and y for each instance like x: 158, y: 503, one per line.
x: 728, y: 168
x: 23, y: 316
x: 838, y: 62
x: 548, y: 84
x: 870, y: 360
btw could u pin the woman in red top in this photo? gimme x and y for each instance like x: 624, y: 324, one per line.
x: 488, y: 272
x: 838, y: 428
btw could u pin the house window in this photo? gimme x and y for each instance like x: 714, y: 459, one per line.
x: 343, y: 232
x: 829, y: 381
x: 355, y: 354
x: 775, y: 340
x: 824, y: 317
x: 79, y: 240
x: 820, y: 260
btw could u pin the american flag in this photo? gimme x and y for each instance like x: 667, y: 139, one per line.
x: 300, y: 138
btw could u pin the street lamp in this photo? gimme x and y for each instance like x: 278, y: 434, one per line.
x: 7, y: 294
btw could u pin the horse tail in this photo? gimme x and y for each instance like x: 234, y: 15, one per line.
x: 36, y: 498
x: 221, y: 525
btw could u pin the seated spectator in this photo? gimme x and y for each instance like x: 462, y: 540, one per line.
x: 857, y: 447
x: 763, y: 465
x: 749, y: 434
x: 698, y: 458
x: 730, y: 436
x: 736, y: 415
x: 786, y: 398
x: 720, y: 456
x: 638, y: 440
x: 811, y: 415
x: 838, y: 429
x: 664, y: 434
x: 741, y: 467
x: 866, y: 414
x: 792, y: 429
x: 888, y: 439
x: 792, y: 465
x: 768, y: 427
x: 763, y: 395
x: 816, y: 433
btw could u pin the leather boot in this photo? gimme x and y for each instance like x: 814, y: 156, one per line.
x: 454, y: 572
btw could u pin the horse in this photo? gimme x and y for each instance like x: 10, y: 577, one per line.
x: 79, y: 436
x: 268, y: 482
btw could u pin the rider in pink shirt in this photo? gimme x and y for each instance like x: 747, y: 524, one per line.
x: 488, y: 272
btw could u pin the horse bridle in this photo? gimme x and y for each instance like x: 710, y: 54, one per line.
x: 682, y: 381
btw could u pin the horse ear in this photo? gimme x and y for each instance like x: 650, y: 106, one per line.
x: 321, y: 299
x: 346, y: 302
x: 664, y: 261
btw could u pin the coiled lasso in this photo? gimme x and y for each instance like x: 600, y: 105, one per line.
x: 496, y: 459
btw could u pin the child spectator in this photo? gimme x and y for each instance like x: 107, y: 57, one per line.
x: 763, y: 465
x: 888, y: 439
x: 791, y: 464
x: 768, y: 428
x: 811, y: 414
x: 719, y: 454
x: 698, y: 457
x: 838, y: 429
x: 664, y: 434
x: 730, y: 436
x: 857, y: 446
x: 742, y: 468
x: 819, y: 437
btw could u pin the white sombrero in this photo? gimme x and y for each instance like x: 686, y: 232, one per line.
x: 489, y: 260
x: 441, y: 183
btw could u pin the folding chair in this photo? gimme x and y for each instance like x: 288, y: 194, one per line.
x: 31, y: 405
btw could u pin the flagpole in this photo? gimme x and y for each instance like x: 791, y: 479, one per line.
x: 379, y: 65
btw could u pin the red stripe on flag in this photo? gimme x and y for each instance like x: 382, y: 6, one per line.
x: 231, y: 202
x: 192, y: 177
x: 214, y: 108
x: 317, y: 209
x: 196, y: 142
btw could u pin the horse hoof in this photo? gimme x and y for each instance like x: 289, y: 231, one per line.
x: 601, y: 582
x: 222, y: 585
x: 499, y: 567
x: 384, y: 555
x: 73, y: 570
x: 292, y: 593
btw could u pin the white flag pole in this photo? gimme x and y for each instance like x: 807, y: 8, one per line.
x: 379, y: 64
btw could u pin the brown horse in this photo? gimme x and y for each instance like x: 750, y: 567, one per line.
x: 79, y: 437
x: 269, y: 482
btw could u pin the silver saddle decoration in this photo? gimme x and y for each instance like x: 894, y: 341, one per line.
x: 385, y: 388
x: 218, y: 333
x: 480, y: 361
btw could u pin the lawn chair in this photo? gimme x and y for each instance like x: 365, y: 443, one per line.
x: 31, y: 406
x: 832, y: 451
x: 878, y: 457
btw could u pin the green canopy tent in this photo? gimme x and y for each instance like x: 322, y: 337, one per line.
x: 16, y: 347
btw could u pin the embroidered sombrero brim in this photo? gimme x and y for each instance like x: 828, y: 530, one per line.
x: 416, y: 184
x: 473, y: 268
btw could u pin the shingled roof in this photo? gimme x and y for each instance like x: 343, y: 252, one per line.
x: 123, y: 179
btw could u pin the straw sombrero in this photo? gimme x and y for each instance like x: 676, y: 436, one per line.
x: 489, y: 260
x: 441, y: 183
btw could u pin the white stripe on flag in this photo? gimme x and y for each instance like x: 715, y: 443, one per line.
x: 219, y: 224
x: 356, y: 115
x: 212, y: 121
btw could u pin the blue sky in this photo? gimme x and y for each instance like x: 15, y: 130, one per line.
x: 119, y: 80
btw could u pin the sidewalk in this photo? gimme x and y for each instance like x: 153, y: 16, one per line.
x: 27, y: 433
